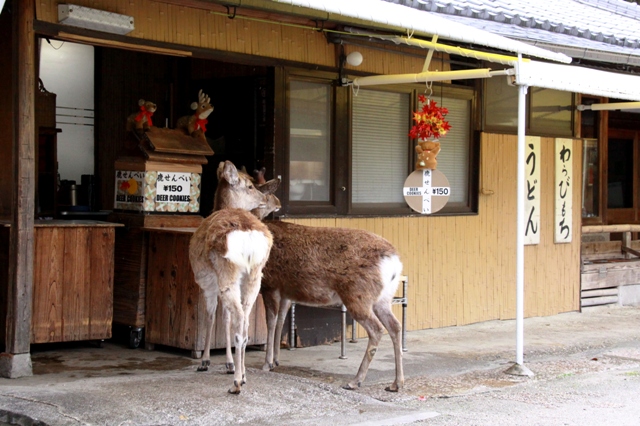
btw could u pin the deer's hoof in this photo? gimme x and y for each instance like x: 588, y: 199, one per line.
x: 244, y: 381
x: 277, y: 363
x: 392, y: 388
x: 204, y: 366
x: 267, y: 367
x: 350, y: 386
x: 235, y: 390
x: 230, y: 367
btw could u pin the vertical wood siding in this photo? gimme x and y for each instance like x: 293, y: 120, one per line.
x: 199, y: 28
x: 462, y: 269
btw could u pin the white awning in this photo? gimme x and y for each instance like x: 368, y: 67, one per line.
x: 577, y: 79
x: 404, y: 18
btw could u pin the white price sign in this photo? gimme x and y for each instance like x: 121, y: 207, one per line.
x: 426, y: 191
x: 173, y: 187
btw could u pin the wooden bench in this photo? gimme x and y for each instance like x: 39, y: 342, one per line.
x: 608, y: 265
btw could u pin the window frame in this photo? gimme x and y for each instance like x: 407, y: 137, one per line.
x: 302, y: 207
x: 341, y: 149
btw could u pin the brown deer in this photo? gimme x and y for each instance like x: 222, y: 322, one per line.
x: 326, y: 267
x: 227, y: 253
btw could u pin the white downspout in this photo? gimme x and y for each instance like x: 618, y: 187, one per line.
x: 518, y: 368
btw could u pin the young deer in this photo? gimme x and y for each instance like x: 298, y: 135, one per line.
x: 227, y: 253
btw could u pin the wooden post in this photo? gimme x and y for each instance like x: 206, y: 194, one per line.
x: 16, y: 361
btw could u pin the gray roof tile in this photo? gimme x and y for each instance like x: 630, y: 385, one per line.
x: 568, y: 22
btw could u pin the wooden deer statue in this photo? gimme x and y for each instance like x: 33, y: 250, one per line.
x: 227, y: 253
x: 328, y: 267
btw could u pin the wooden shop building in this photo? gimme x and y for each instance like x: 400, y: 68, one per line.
x: 288, y: 96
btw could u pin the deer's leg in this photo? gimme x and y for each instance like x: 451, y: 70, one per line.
x: 231, y: 301
x: 374, y: 330
x: 391, y: 323
x: 211, y: 301
x: 227, y: 330
x: 271, y: 303
x: 285, y: 304
x: 249, y: 294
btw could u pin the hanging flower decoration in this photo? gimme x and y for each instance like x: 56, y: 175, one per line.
x: 429, y: 120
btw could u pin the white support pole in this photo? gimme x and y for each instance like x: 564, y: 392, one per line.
x: 522, y: 97
x: 518, y: 368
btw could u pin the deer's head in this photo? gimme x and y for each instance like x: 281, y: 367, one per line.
x: 237, y: 190
x: 267, y: 188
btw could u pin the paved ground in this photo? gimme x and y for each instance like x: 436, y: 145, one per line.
x: 587, y: 368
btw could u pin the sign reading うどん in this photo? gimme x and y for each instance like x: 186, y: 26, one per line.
x: 426, y: 191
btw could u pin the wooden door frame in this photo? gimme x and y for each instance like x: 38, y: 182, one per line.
x: 624, y: 215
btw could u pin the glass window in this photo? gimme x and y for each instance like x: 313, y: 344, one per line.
x: 501, y: 104
x: 590, y: 178
x: 621, y: 172
x: 551, y: 111
x: 310, y: 141
x: 380, y: 146
x: 349, y: 151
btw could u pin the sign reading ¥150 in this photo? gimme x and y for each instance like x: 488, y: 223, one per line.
x: 157, y: 191
x: 426, y: 191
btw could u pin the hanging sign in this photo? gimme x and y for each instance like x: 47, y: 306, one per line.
x: 563, y: 221
x: 532, y: 191
x: 426, y: 191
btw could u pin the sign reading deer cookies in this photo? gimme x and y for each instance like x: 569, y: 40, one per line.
x: 157, y: 191
x: 426, y: 191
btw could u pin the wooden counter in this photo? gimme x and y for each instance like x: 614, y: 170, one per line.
x: 176, y: 311
x: 72, y: 280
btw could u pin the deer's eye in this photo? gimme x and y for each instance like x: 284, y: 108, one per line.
x: 250, y: 186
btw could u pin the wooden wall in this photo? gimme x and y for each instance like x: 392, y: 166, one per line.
x: 194, y: 27
x: 462, y: 269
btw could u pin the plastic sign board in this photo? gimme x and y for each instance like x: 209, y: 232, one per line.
x: 426, y: 191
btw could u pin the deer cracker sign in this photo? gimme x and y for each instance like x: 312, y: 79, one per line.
x: 426, y: 191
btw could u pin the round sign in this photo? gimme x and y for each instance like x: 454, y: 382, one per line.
x: 426, y: 191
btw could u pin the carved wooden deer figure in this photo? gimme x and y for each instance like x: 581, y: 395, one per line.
x: 227, y: 253
x: 327, y: 267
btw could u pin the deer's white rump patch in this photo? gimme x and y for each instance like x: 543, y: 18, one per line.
x: 390, y: 272
x: 247, y: 248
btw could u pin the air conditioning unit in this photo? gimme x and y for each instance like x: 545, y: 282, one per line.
x: 94, y: 19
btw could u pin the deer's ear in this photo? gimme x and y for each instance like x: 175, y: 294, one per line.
x: 230, y: 173
x: 269, y: 187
